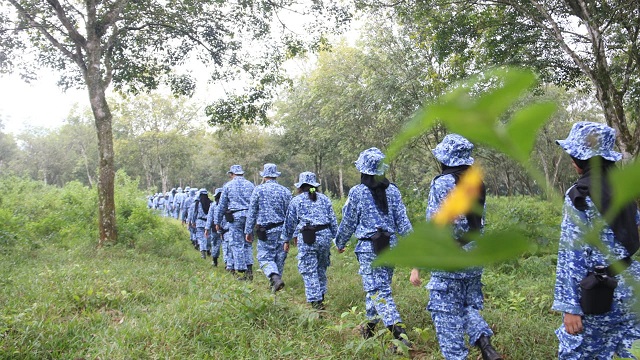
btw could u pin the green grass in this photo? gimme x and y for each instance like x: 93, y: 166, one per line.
x: 123, y: 302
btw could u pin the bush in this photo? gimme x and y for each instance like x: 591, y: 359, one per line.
x: 539, y: 219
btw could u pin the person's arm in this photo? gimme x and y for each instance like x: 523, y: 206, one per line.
x: 349, y: 221
x: 571, y: 268
x: 402, y: 222
x: 290, y: 223
x: 252, y: 214
x: 224, y: 202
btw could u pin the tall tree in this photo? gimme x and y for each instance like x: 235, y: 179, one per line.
x: 568, y: 41
x: 135, y: 45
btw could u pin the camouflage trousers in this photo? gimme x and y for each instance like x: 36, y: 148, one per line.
x: 376, y: 282
x: 313, y: 261
x: 271, y: 254
x: 241, y: 249
x: 204, y: 242
x: 454, y: 305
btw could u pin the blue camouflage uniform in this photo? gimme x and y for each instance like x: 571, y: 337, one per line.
x: 236, y: 195
x: 198, y: 216
x: 170, y: 208
x: 268, y: 207
x: 216, y: 237
x: 455, y: 298
x: 177, y: 202
x: 361, y: 216
x: 313, y: 259
x: 613, y: 332
x: 186, y: 206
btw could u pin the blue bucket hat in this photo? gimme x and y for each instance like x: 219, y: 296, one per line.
x: 179, y: 189
x: 217, y: 191
x: 588, y: 139
x: 369, y: 162
x: 203, y: 191
x: 236, y: 170
x: 192, y: 192
x: 270, y: 170
x: 307, y: 177
x: 454, y: 150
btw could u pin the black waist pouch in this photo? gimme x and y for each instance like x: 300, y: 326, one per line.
x: 597, y: 293
x: 261, y: 233
x: 228, y: 215
x: 308, y: 233
x: 380, y: 241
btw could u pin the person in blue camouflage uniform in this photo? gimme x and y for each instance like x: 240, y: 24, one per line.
x: 234, y: 202
x: 198, y: 212
x: 375, y: 204
x: 588, y: 335
x: 216, y: 237
x: 160, y: 204
x: 311, y: 208
x: 268, y: 208
x: 455, y: 298
x: 170, y: 200
x: 177, y: 202
x: 186, y: 206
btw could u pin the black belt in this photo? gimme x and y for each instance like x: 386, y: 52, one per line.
x: 271, y: 226
x: 625, y: 263
x: 204, y: 219
x: 234, y: 211
x: 321, y: 227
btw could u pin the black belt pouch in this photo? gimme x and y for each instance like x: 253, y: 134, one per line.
x: 380, y: 241
x: 597, y: 293
x: 308, y: 233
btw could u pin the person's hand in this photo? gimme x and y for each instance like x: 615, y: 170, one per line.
x: 218, y: 228
x: 294, y: 241
x: 286, y: 247
x: 572, y: 323
x: 249, y: 238
x: 206, y: 233
x: 341, y: 250
x: 415, y: 277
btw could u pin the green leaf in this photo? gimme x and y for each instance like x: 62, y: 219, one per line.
x: 433, y: 247
x: 524, y: 126
x: 625, y: 182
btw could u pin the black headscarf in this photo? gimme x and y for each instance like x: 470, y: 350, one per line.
x: 206, y: 202
x: 623, y: 224
x: 474, y: 219
x: 378, y: 190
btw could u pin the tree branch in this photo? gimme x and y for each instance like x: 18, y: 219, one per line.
x: 77, y: 58
x: 71, y: 30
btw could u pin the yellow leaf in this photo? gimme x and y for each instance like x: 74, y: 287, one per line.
x: 462, y: 198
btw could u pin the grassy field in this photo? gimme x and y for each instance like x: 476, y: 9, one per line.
x: 123, y: 302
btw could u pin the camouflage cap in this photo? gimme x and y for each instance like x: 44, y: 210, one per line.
x: 588, y: 139
x: 454, y: 150
x: 307, y: 177
x: 270, y: 170
x: 236, y: 170
x: 369, y: 162
x: 217, y: 191
x: 203, y: 191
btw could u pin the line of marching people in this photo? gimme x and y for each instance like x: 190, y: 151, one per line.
x: 595, y: 298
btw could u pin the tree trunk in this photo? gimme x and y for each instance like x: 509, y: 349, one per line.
x: 102, y: 116
x: 340, y: 182
x: 106, y: 174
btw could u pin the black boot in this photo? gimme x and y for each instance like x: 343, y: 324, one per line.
x: 276, y: 283
x: 368, y: 330
x: 398, y: 330
x: 242, y: 275
x: 215, y: 261
x: 318, y: 305
x: 203, y: 254
x: 250, y: 272
x: 488, y: 352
